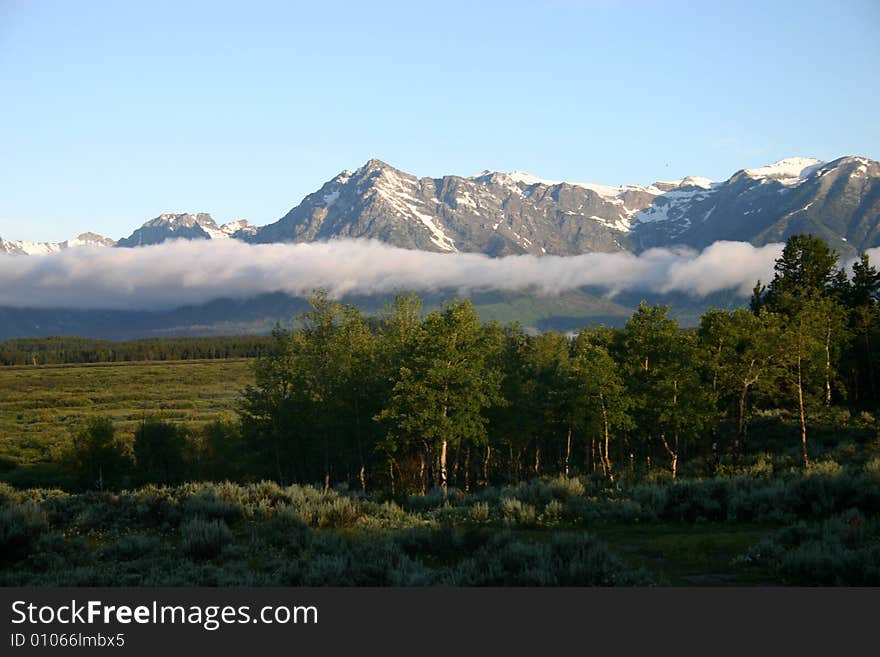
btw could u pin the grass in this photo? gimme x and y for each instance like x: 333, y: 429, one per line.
x: 40, y: 406
x: 265, y: 534
x: 689, y: 554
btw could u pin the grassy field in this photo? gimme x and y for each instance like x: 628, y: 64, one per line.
x: 773, y: 526
x: 41, y: 406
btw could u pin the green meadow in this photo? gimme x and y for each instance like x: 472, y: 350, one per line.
x: 40, y: 407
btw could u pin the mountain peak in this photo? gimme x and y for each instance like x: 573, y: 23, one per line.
x: 372, y: 165
x: 170, y: 225
x: 87, y: 239
x: 238, y: 227
x: 787, y: 169
x: 182, y: 219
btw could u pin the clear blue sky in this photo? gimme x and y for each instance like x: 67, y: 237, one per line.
x: 113, y: 112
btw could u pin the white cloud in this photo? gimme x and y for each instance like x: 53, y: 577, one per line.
x: 185, y: 272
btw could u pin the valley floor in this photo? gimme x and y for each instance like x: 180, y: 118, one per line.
x: 41, y: 407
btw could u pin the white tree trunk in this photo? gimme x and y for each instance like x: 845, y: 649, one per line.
x: 443, y: 478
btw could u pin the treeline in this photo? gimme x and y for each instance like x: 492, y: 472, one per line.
x: 408, y: 402
x: 63, y: 349
x: 160, y: 452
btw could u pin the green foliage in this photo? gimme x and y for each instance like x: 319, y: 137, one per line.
x: 204, y: 539
x: 97, y: 457
x: 531, y: 534
x: 42, y: 408
x: 517, y: 512
x: 295, y: 535
x: 20, y: 525
x: 568, y: 559
x: 68, y: 349
x: 135, y: 545
x: 806, y: 268
x: 210, y: 506
x: 438, y: 399
x: 159, y: 449
x: 840, y: 551
x: 565, y: 487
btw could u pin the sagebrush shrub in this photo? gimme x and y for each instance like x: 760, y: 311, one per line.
x: 563, y: 487
x: 517, y: 512
x: 133, y: 546
x: 338, y: 512
x: 552, y: 513
x: 208, y: 506
x: 833, y: 552
x: 568, y: 559
x: 20, y: 524
x: 204, y: 539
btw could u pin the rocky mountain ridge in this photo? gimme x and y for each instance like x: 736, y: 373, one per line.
x: 514, y: 213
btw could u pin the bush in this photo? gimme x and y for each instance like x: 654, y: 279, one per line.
x: 516, y: 512
x: 338, y: 512
x: 374, y: 563
x: 208, y: 506
x: 156, y: 505
x: 535, y: 492
x: 431, y: 500
x: 565, y: 487
x: 479, y: 513
x: 204, y: 539
x: 568, y: 559
x: 829, y: 468
x: 133, y: 546
x: 552, y: 513
x: 829, y: 553
x: 20, y: 525
x: 387, y: 515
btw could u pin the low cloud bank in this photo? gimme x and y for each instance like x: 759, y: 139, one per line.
x: 188, y: 272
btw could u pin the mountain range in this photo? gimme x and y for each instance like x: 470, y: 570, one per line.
x: 513, y: 213
x: 498, y: 214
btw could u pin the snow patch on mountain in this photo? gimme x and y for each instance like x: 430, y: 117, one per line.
x: 605, y: 191
x: 672, y: 205
x: 788, y: 171
x: 23, y: 247
x: 689, y: 181
x: 239, y: 226
x: 87, y: 239
x: 394, y: 189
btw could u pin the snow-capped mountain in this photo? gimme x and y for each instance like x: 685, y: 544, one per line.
x: 19, y: 247
x: 189, y: 226
x: 511, y: 213
x: 493, y: 212
x: 507, y: 213
x: 838, y: 201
